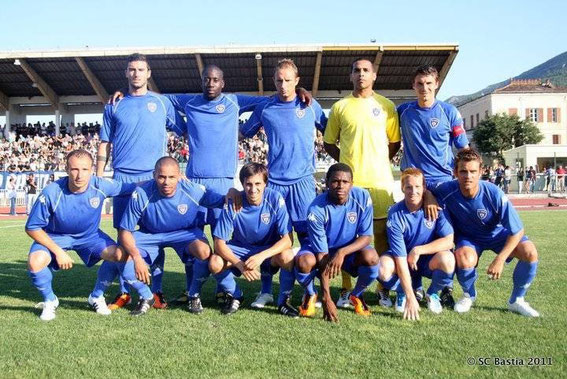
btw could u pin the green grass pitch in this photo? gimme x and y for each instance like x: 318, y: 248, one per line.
x: 260, y: 344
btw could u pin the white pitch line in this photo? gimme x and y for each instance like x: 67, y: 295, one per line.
x: 11, y: 226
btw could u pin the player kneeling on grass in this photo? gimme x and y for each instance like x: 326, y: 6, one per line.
x: 165, y: 210
x: 418, y: 247
x: 66, y: 216
x: 259, y: 233
x: 484, y: 219
x: 340, y: 232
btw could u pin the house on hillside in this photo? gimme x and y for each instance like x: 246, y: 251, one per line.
x: 541, y: 102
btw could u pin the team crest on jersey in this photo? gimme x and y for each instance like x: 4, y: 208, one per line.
x: 300, y: 113
x: 481, y: 213
x: 434, y: 122
x: 376, y: 112
x: 281, y: 202
x: 94, y: 202
x: 428, y: 223
x: 220, y: 108
x: 41, y: 199
x: 135, y: 195
x: 182, y: 208
x: 389, y: 224
x: 265, y: 217
x: 351, y: 217
x: 312, y: 217
x: 152, y: 107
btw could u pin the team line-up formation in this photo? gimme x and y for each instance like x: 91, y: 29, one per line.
x: 447, y: 218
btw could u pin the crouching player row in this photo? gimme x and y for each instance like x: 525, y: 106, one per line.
x: 163, y: 213
x: 259, y: 235
x: 484, y: 219
x: 418, y: 247
x: 66, y: 216
x: 340, y: 233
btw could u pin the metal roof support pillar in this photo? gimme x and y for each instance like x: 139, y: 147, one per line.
x: 259, y: 76
x: 317, y: 74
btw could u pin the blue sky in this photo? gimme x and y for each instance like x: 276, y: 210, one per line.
x: 498, y: 39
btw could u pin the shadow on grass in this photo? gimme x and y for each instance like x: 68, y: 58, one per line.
x: 78, y: 282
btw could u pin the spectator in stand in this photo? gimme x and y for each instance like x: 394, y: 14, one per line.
x: 550, y: 179
x: 31, y: 192
x: 11, y: 187
x: 520, y: 176
x: 560, y: 178
x: 530, y: 179
x: 499, y: 175
x: 507, y: 179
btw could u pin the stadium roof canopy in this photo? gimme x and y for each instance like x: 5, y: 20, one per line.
x: 61, y: 77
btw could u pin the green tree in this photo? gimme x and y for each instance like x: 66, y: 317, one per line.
x: 501, y: 132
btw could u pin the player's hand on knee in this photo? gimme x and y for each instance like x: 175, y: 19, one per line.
x: 494, y: 271
x: 142, y: 271
x: 251, y: 275
x: 64, y: 261
x: 329, y: 310
x: 253, y: 262
x: 411, y: 310
x: 413, y: 257
x: 334, y: 266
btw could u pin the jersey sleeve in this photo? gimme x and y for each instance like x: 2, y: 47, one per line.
x: 395, y: 233
x: 112, y: 187
x: 180, y: 100
x: 333, y: 128
x: 440, y: 191
x: 282, y: 217
x: 316, y: 230
x: 508, y: 215
x: 40, y: 212
x: 443, y: 227
x: 174, y: 121
x: 133, y: 211
x: 212, y: 199
x: 320, y: 117
x: 225, y: 224
x: 247, y: 103
x: 252, y: 125
x: 401, y: 108
x: 107, y: 128
x: 393, y: 126
x: 458, y: 135
x: 365, y: 225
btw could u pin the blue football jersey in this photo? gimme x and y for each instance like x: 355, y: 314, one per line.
x: 136, y: 128
x: 60, y: 211
x: 290, y: 129
x: 407, y: 230
x: 212, y: 130
x: 155, y: 213
x: 333, y: 226
x: 428, y: 135
x: 255, y: 225
x: 482, y: 217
